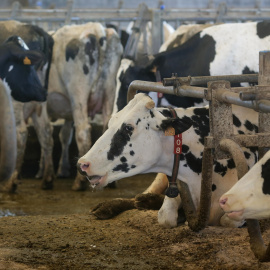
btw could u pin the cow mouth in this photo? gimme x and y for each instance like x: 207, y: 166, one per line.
x: 236, y: 215
x: 96, y: 180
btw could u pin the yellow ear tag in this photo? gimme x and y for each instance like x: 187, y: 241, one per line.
x: 170, y: 131
x: 26, y: 61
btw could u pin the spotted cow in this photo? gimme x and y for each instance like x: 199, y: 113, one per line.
x: 81, y: 84
x: 249, y: 198
x: 135, y: 143
x: 216, y: 50
x: 36, y: 39
x: 19, y: 80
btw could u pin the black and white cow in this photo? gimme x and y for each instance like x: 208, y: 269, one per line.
x: 81, y: 84
x: 18, y: 72
x: 217, y: 50
x: 36, y: 39
x: 249, y: 198
x: 18, y: 78
x: 135, y: 143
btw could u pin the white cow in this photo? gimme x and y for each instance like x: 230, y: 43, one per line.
x: 81, y: 83
x: 135, y: 143
x: 249, y: 198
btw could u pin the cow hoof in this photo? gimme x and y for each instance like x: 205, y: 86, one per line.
x: 80, y: 185
x: 150, y: 201
x: 47, y: 185
x: 112, y: 208
x: 9, y: 188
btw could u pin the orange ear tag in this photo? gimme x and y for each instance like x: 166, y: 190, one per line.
x: 26, y: 61
x: 170, y: 131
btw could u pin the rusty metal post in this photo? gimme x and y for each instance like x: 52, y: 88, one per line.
x: 198, y: 220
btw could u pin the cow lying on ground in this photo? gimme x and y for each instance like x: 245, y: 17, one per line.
x: 249, y: 198
x: 135, y: 143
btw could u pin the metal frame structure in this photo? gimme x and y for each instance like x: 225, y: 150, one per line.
x: 222, y: 143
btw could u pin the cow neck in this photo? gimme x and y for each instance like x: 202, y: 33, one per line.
x: 172, y: 191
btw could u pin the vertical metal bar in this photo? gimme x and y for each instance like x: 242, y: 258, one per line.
x: 157, y: 31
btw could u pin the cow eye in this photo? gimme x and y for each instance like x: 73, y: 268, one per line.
x: 129, y: 128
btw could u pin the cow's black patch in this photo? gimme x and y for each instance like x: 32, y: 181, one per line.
x: 214, y: 187
x: 249, y: 126
x: 72, y: 49
x: 138, y: 121
x: 123, y: 159
x: 133, y: 166
x: 152, y: 114
x: 166, y: 113
x: 147, y: 127
x: 266, y: 177
x: 102, y: 40
x: 185, y: 148
x: 121, y: 167
x: 201, y: 125
x: 236, y: 121
x: 119, y: 141
x: 130, y: 145
x: 90, y: 47
x: 241, y: 132
x: 219, y: 168
x: 85, y: 69
x: 246, y: 70
x: 247, y: 155
x: 263, y: 29
x: 195, y: 164
x: 132, y: 153
x: 230, y: 164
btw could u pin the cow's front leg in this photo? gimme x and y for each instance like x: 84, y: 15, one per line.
x: 44, y: 132
x: 65, y: 136
x: 152, y: 198
x: 168, y: 213
x: 83, y: 140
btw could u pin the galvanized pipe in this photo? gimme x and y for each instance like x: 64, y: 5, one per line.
x: 203, y: 80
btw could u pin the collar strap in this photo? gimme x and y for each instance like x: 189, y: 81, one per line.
x: 172, y: 191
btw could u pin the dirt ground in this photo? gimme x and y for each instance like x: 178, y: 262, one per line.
x: 54, y: 230
x: 132, y: 240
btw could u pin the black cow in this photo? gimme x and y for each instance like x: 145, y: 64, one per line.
x: 18, y: 72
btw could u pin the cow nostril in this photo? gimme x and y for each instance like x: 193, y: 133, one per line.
x: 223, y: 201
x: 84, y: 166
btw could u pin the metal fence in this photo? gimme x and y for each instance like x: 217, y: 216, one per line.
x: 52, y: 19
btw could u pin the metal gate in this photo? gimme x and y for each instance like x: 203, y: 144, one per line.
x: 223, y: 143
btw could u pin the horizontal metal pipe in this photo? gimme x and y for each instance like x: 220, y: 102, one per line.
x: 198, y: 92
x: 201, y: 80
x: 147, y: 87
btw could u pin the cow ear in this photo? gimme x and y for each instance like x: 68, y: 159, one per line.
x: 29, y: 57
x: 180, y: 125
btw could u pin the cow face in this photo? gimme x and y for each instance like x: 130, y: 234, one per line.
x: 18, y: 72
x: 134, y: 143
x: 249, y: 198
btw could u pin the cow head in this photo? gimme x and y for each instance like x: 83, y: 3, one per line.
x: 133, y: 144
x: 249, y: 198
x: 18, y: 72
